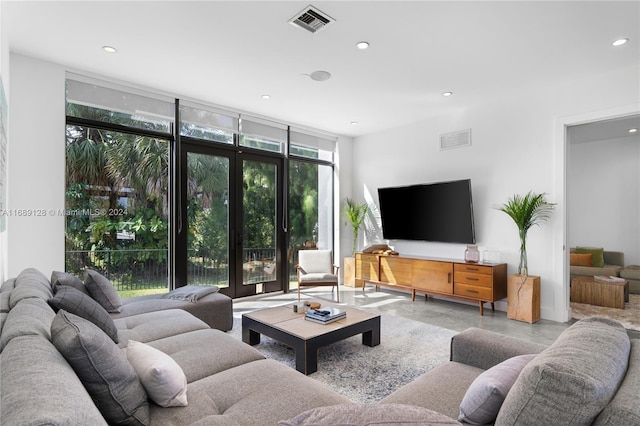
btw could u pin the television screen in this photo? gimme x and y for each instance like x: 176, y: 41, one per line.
x: 441, y: 212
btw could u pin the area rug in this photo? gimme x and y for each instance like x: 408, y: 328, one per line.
x: 629, y: 316
x: 365, y: 374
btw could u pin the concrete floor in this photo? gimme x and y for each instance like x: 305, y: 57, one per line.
x: 447, y: 314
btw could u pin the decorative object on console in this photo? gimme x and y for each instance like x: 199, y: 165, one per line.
x: 471, y: 254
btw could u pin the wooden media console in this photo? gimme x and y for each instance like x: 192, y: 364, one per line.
x: 447, y: 278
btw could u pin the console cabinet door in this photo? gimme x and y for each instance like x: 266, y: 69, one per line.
x: 396, y: 270
x: 367, y: 267
x: 433, y: 276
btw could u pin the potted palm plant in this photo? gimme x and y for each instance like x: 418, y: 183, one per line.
x: 356, y: 214
x: 523, y: 291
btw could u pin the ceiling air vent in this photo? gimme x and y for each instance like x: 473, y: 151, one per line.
x: 311, y: 19
x: 457, y: 139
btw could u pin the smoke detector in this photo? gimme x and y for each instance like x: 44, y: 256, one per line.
x: 311, y: 19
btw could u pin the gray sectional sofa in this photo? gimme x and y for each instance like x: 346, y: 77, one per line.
x: 590, y: 375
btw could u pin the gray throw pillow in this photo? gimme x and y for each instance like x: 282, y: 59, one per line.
x: 102, y: 291
x: 78, y: 303
x: 572, y: 380
x: 483, y: 399
x: 59, y: 279
x: 102, y: 368
x: 369, y: 414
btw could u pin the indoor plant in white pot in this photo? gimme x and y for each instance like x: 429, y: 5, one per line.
x: 526, y: 211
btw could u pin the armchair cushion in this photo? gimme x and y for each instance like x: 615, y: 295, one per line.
x: 318, y: 277
x: 315, y: 261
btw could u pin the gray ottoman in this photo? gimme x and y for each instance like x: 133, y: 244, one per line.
x: 631, y: 273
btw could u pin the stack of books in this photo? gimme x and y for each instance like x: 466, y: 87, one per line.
x: 325, y: 315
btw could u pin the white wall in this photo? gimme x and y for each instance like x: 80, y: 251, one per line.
x: 36, y: 165
x: 515, y: 148
x: 604, y: 196
x: 4, y: 73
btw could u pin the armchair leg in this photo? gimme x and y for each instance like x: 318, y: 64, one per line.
x: 298, y: 292
x: 338, y: 293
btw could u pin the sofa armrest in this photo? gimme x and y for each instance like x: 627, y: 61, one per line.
x: 484, y: 349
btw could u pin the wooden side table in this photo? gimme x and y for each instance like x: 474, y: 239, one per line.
x: 523, y: 298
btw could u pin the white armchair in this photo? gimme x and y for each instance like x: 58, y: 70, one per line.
x: 316, y: 268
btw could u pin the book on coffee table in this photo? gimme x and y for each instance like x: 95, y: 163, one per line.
x: 325, y: 315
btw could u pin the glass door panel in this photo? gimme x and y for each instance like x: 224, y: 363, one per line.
x: 259, y: 218
x: 208, y: 227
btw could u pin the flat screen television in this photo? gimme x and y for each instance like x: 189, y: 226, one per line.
x: 441, y: 212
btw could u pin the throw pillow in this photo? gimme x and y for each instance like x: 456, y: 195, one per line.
x: 161, y: 376
x: 59, y: 279
x: 483, y: 399
x: 597, y: 255
x: 577, y: 259
x: 102, y: 368
x: 573, y: 380
x: 78, y: 303
x: 369, y: 414
x: 102, y: 291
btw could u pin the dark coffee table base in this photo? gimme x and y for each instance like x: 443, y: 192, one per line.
x: 307, y: 349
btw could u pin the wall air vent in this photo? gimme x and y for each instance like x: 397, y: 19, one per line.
x: 457, y: 139
x: 311, y: 19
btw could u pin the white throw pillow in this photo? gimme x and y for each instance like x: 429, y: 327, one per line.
x: 161, y: 376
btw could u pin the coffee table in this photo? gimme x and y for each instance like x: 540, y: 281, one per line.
x: 594, y: 292
x: 306, y: 337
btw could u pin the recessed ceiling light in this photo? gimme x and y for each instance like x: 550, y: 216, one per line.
x: 320, y: 75
x: 445, y: 94
x: 620, y: 42
x: 362, y: 45
x: 266, y: 96
x: 353, y: 123
x: 634, y: 130
x: 109, y: 49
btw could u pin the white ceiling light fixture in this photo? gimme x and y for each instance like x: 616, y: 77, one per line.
x: 354, y: 123
x: 266, y: 96
x: 620, y: 42
x: 320, y: 75
x: 109, y: 49
x: 634, y: 130
x: 362, y: 45
x: 447, y: 94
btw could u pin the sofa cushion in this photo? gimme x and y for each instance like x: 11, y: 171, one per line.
x: 81, y: 304
x: 60, y: 279
x: 103, y: 292
x: 39, y: 385
x: 369, y: 414
x: 202, y: 353
x: 257, y: 393
x: 572, y: 380
x: 30, y: 283
x: 156, y: 325
x: 578, y: 259
x: 624, y: 408
x: 103, y: 369
x: 597, y: 255
x: 161, y: 376
x: 486, y: 394
x: 29, y: 317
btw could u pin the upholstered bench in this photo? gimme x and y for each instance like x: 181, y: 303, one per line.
x: 631, y: 273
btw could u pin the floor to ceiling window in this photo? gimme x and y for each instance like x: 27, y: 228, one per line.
x: 117, y: 196
x: 162, y: 194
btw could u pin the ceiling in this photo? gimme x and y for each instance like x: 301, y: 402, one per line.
x: 230, y: 53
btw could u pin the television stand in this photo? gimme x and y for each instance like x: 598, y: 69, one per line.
x: 448, y: 278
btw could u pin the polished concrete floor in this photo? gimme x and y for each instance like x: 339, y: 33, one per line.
x: 447, y: 314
